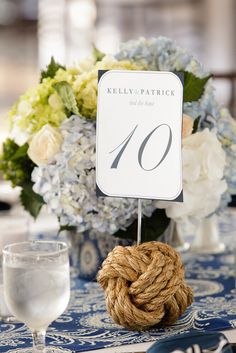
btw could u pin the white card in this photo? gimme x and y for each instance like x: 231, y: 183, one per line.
x: 139, y: 123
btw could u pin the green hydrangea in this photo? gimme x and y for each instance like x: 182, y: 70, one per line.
x: 41, y: 105
x: 44, y: 104
x: 85, y: 86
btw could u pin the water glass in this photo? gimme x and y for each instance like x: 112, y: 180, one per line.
x: 36, y: 278
x: 13, y: 228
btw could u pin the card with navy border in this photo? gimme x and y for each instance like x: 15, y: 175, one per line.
x: 138, y: 142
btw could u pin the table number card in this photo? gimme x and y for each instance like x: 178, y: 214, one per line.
x: 139, y: 123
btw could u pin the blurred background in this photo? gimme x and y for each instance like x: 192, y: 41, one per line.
x: 31, y: 31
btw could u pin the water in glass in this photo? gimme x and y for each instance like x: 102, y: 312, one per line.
x: 36, y: 284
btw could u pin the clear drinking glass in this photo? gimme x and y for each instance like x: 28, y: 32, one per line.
x: 36, y: 277
x: 14, y: 228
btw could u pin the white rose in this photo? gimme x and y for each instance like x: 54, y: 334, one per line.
x: 203, y: 169
x: 45, y: 144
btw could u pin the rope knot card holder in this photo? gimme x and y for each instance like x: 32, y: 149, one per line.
x: 144, y: 285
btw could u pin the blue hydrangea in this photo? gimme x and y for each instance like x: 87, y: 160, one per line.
x: 68, y: 184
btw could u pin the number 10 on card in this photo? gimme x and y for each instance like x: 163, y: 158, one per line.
x: 139, y: 122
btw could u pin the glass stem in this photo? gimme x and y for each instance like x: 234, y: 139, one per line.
x: 39, y: 341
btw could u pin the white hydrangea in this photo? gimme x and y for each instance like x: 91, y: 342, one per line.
x: 203, y: 184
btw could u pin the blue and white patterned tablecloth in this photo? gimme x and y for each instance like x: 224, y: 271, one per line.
x: 86, y: 325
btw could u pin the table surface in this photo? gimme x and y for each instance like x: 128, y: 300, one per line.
x: 86, y: 326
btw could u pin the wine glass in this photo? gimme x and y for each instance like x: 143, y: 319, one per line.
x: 36, y: 278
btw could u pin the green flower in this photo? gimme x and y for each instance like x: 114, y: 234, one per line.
x: 41, y: 105
x: 85, y: 86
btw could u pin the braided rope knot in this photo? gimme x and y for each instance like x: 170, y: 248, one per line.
x: 144, y: 285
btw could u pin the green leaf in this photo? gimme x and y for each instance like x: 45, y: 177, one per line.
x: 9, y: 149
x: 193, y: 86
x: 98, y: 55
x: 66, y: 227
x: 51, y: 69
x: 67, y: 95
x: 15, y: 163
x: 31, y: 201
x: 21, y: 152
x: 196, y: 124
x: 152, y: 227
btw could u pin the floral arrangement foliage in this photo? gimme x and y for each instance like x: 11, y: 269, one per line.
x: 51, y: 149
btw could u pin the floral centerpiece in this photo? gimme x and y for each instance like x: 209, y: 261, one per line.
x: 51, y: 149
